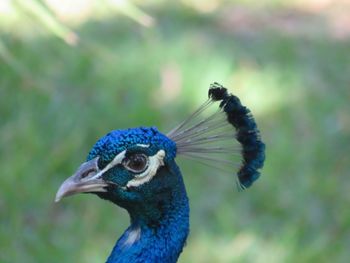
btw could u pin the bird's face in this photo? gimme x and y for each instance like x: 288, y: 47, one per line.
x: 126, y: 167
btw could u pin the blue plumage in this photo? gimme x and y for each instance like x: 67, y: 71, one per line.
x: 164, y: 230
x: 136, y: 169
x: 158, y: 209
x: 118, y: 140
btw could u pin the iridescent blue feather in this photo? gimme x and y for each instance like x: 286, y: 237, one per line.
x: 136, y: 169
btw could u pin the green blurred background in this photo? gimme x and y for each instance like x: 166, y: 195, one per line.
x: 70, y: 71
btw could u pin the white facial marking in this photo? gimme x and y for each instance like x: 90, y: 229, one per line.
x: 155, y: 162
x: 117, y: 160
x: 143, y: 145
x: 133, y: 236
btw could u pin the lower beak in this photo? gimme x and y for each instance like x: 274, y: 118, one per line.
x: 86, y: 179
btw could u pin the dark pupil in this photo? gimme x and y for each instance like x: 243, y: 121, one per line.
x: 137, y: 162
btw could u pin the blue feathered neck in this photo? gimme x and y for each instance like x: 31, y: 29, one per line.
x: 158, y: 230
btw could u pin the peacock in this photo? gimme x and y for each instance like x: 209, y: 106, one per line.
x: 136, y: 170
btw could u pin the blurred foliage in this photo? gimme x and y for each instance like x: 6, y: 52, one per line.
x: 69, y: 73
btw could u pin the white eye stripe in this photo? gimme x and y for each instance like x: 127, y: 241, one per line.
x: 143, y: 145
x: 117, y: 160
x: 155, y: 162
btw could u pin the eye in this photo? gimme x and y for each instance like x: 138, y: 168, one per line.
x: 136, y: 163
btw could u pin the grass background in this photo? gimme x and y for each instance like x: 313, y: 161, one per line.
x: 71, y: 72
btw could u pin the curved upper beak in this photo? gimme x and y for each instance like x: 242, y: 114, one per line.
x: 88, y: 178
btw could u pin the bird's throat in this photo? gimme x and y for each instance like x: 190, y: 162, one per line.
x: 158, y: 230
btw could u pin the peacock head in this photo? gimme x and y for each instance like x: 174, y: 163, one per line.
x: 122, y: 167
x: 135, y: 168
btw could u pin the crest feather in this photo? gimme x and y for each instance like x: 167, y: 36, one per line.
x: 225, y: 135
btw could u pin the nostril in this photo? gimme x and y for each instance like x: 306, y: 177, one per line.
x: 88, y: 173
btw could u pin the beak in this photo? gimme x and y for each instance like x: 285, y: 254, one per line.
x: 88, y: 178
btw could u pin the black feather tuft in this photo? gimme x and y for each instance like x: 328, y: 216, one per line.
x: 217, y: 92
x: 215, y: 137
x: 253, y: 149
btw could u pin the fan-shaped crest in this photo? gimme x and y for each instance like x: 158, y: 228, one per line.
x: 222, y: 133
